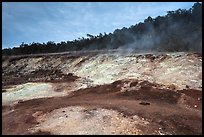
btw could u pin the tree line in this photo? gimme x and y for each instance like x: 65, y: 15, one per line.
x: 179, y: 30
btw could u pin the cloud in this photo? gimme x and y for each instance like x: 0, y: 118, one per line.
x: 56, y: 21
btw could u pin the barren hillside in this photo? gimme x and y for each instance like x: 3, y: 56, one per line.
x: 102, y: 92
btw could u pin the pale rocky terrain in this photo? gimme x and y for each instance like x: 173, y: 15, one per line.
x: 102, y: 93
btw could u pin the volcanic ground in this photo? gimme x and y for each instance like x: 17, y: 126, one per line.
x: 102, y: 93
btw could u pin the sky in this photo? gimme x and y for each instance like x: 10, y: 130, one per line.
x: 30, y: 22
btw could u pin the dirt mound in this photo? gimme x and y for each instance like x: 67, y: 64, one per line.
x: 51, y: 76
x: 40, y: 75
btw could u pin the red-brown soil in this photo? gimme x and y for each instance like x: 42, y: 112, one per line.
x: 164, y: 109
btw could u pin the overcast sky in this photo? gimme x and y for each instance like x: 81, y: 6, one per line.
x: 63, y: 21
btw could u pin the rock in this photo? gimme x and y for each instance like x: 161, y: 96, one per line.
x: 60, y: 117
x: 70, y: 74
x: 37, y: 113
x: 135, y: 117
x: 20, y: 101
x: 172, y: 87
x: 144, y: 103
x: 133, y: 84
